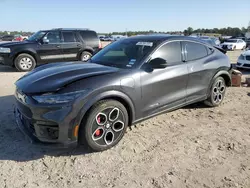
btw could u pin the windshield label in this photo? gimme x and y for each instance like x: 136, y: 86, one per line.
x: 145, y: 44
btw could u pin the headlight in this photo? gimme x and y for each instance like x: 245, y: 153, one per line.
x: 58, y: 98
x: 4, y: 50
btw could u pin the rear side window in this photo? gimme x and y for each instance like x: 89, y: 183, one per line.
x: 88, y: 35
x: 171, y: 52
x: 195, y: 51
x: 68, y: 36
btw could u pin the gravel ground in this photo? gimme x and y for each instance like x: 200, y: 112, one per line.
x: 192, y: 147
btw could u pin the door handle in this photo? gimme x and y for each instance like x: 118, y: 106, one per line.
x: 78, y: 45
x: 58, y: 46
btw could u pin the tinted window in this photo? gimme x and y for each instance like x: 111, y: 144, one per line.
x: 68, y: 36
x: 171, y: 52
x: 195, y: 50
x: 53, y: 37
x: 88, y: 35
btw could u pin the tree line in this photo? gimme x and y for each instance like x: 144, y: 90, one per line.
x: 229, y: 31
x: 2, y: 33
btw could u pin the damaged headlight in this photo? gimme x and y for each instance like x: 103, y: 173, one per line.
x: 58, y: 98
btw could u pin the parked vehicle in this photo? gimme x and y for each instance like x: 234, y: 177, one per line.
x: 248, y: 42
x: 128, y: 81
x: 48, y: 46
x: 234, y: 44
x: 7, y: 38
x: 108, y: 38
x: 212, y: 43
x: 20, y: 38
x: 101, y: 38
x: 244, y: 60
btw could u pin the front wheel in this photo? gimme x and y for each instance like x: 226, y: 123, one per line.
x: 217, y: 92
x: 25, y: 62
x: 104, y: 126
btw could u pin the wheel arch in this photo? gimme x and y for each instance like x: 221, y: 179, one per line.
x: 33, y: 54
x: 113, y: 95
x: 90, y: 50
x: 225, y: 75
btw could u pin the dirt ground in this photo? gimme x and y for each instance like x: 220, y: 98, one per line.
x: 193, y: 147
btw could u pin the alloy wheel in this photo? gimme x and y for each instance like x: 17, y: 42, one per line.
x: 85, y: 57
x: 218, y: 91
x: 108, y: 126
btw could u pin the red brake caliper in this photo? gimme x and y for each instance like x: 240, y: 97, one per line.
x: 97, y: 132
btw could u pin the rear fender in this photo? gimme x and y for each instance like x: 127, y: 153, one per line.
x: 223, y: 73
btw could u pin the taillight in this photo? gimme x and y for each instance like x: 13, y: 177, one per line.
x: 100, y: 44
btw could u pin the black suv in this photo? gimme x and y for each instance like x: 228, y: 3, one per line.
x: 48, y: 46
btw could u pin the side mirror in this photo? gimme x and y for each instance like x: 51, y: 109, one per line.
x: 45, y: 41
x: 158, y: 63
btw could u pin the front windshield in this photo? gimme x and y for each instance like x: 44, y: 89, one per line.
x: 124, y: 54
x: 37, y: 36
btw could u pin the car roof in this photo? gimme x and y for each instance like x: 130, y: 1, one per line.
x: 165, y: 37
x: 67, y: 29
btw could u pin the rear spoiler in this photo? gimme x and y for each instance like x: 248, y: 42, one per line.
x: 220, y: 49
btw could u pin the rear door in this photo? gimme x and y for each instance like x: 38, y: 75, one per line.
x: 50, y: 51
x: 165, y: 88
x: 197, y: 57
x: 71, y: 45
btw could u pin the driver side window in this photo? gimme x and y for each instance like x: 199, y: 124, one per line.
x: 171, y: 52
x: 52, y: 37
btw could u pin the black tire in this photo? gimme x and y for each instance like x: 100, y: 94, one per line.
x: 234, y: 48
x: 244, y: 47
x: 216, y: 93
x: 85, y: 56
x: 90, y: 126
x: 24, y: 62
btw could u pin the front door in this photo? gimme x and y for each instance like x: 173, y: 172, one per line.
x: 165, y: 88
x: 50, y: 48
x: 71, y: 46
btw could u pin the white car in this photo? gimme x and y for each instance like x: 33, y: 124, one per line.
x: 234, y: 44
x: 244, y: 60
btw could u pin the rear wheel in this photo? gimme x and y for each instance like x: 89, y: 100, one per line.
x: 25, y: 62
x: 105, y: 125
x: 244, y: 47
x: 217, y: 92
x: 234, y: 48
x: 85, y: 56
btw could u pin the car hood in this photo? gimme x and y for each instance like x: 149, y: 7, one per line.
x: 52, y: 77
x: 10, y: 44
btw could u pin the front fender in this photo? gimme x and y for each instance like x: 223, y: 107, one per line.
x: 106, y: 95
x: 29, y: 51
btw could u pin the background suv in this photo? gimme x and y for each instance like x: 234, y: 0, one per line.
x: 48, y: 46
